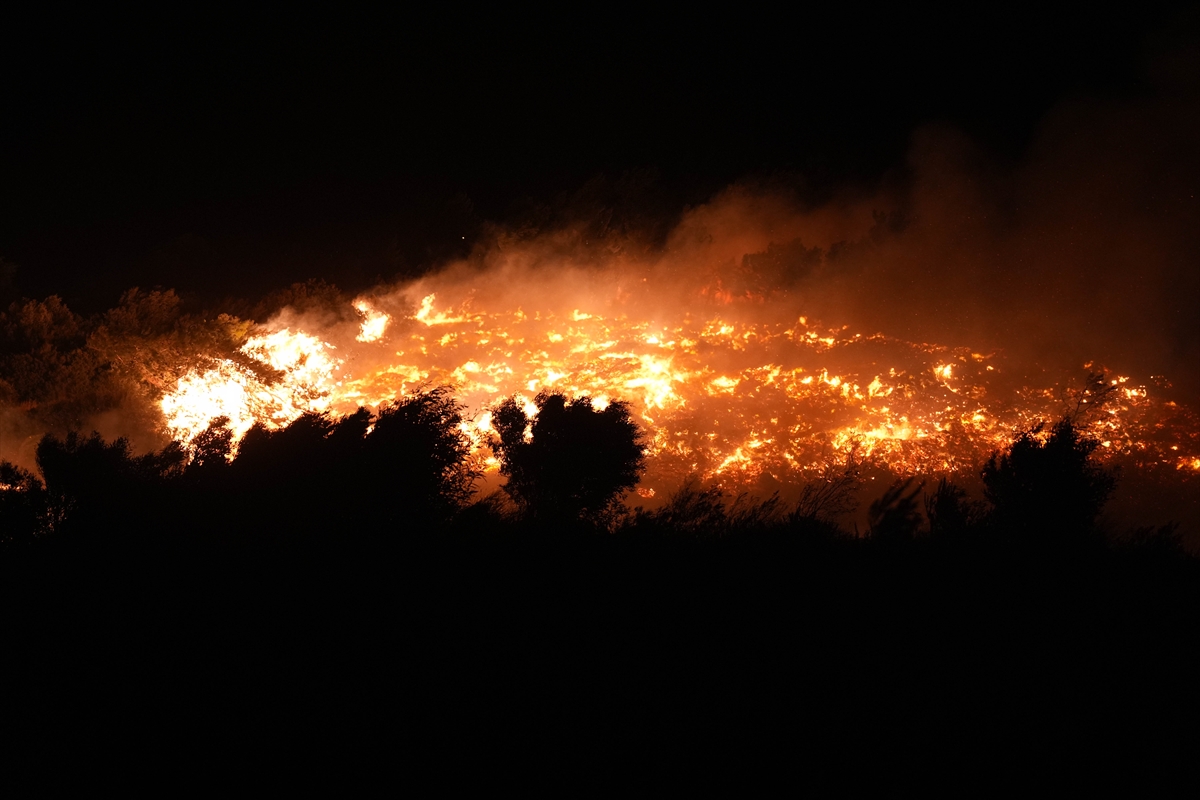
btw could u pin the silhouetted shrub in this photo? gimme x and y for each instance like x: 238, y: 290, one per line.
x: 23, y: 508
x: 696, y: 512
x: 1163, y: 541
x: 212, y: 447
x: 97, y: 486
x: 832, y: 493
x: 361, y: 475
x: 951, y: 515
x: 1047, y: 484
x: 896, y: 517
x: 577, y: 462
x: 691, y: 511
x: 418, y: 458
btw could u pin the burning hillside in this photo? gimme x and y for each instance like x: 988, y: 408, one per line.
x: 723, y: 393
x: 758, y: 343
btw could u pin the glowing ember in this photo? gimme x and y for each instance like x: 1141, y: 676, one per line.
x: 722, y: 399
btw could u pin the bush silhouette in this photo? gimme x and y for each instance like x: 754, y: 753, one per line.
x: 577, y: 462
x: 698, y: 512
x: 950, y: 513
x: 408, y: 464
x: 97, y: 486
x: 416, y: 460
x: 896, y: 516
x: 833, y: 493
x: 1047, y: 484
x: 22, y: 505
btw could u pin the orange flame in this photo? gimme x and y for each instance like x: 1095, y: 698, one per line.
x: 723, y: 399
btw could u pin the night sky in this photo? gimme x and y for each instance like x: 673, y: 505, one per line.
x: 231, y: 155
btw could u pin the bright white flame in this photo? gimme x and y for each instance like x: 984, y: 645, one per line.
x: 374, y: 322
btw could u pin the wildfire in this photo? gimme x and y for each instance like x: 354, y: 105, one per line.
x: 308, y: 383
x: 725, y: 399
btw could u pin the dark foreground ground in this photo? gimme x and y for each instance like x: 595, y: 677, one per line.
x: 477, y: 656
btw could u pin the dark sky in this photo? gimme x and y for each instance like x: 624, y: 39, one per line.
x: 231, y: 155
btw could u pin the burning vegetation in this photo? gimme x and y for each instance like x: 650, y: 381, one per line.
x: 723, y: 398
x: 748, y: 366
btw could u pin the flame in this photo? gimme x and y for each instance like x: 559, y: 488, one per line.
x: 719, y: 397
x: 374, y: 322
x: 308, y: 383
x: 426, y: 313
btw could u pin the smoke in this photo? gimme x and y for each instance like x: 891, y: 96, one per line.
x: 1085, y: 250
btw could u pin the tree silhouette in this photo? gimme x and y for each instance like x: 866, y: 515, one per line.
x: 280, y: 478
x: 408, y: 465
x: 22, y: 505
x: 213, y: 447
x: 571, y: 461
x: 1048, y: 483
x: 417, y: 457
x: 97, y: 486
